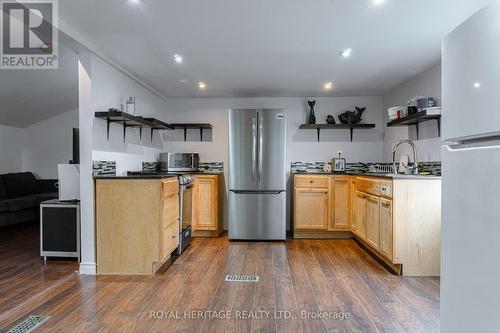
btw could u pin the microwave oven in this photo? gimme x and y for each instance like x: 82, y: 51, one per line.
x: 179, y: 162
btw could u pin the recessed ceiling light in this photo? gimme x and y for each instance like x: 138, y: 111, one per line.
x: 133, y: 2
x: 378, y: 2
x: 202, y: 85
x: 346, y: 53
x: 178, y: 58
x: 477, y: 85
x: 328, y: 86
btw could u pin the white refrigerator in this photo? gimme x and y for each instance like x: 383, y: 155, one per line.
x: 470, y: 234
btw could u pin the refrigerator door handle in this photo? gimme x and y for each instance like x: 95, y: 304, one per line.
x: 261, y: 120
x: 473, y: 144
x: 256, y: 192
x: 254, y: 147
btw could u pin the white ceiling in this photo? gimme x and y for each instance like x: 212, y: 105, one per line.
x: 243, y: 48
x: 30, y: 96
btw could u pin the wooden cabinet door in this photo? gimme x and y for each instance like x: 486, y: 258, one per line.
x: 373, y: 221
x: 311, y: 208
x: 170, y: 210
x: 340, y: 207
x: 386, y: 245
x: 205, y: 204
x: 360, y: 211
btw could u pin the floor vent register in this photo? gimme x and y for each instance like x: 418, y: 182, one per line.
x: 28, y: 324
x: 242, y: 278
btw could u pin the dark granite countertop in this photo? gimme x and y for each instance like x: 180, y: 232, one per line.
x: 154, y: 175
x: 367, y: 174
x: 133, y: 176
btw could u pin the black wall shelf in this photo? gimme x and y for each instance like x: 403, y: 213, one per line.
x: 157, y: 125
x: 128, y: 120
x: 351, y: 127
x: 416, y: 119
x: 186, y: 126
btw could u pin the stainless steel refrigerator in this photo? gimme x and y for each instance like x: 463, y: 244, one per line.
x: 257, y: 174
x: 470, y: 229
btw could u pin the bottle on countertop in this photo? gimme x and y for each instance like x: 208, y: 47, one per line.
x: 338, y: 163
x: 130, y: 108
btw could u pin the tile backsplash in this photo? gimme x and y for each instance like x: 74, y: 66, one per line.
x: 104, y: 168
x: 204, y: 166
x: 212, y: 166
x: 433, y: 168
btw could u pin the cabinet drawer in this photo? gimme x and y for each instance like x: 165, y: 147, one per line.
x: 170, y: 211
x: 169, y: 187
x: 371, y: 186
x: 386, y: 189
x: 170, y: 239
x: 312, y: 181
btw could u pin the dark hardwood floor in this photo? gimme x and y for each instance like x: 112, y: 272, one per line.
x: 303, y: 278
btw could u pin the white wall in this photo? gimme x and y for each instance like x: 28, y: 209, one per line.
x: 49, y: 143
x: 110, y: 89
x: 101, y: 86
x: 302, y: 145
x: 11, y: 156
x: 427, y: 83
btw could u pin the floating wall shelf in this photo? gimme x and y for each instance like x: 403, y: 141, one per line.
x: 128, y: 120
x: 186, y: 126
x: 416, y: 119
x: 351, y: 127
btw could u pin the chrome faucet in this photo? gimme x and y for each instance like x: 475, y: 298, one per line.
x: 413, y: 168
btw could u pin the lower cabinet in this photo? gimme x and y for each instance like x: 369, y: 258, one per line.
x: 360, y: 214
x: 373, y: 220
x: 206, y: 206
x: 340, y: 206
x: 136, y: 224
x: 169, y: 235
x: 399, y: 220
x: 311, y: 208
x: 386, y: 227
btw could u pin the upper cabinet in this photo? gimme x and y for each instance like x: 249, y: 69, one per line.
x: 471, y: 76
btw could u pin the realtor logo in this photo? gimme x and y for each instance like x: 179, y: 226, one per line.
x: 29, y: 34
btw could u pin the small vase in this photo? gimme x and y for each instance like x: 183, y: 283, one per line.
x: 312, y: 117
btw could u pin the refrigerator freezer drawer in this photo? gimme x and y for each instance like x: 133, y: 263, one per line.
x: 469, y: 238
x: 257, y: 216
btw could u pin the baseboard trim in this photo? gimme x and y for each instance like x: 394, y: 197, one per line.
x: 88, y: 268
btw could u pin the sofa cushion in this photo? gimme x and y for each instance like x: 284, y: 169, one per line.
x: 20, y: 184
x: 4, y: 207
x: 46, y: 196
x: 3, y: 191
x: 17, y: 204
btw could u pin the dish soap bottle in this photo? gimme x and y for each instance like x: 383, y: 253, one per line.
x: 130, y: 108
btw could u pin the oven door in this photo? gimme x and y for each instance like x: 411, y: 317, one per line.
x: 185, y: 213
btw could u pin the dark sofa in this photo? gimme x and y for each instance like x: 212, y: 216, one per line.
x: 20, y: 197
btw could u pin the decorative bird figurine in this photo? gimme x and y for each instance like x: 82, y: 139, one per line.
x: 352, y: 117
x: 312, y: 117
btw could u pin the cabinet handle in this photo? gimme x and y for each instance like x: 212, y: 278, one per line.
x: 311, y: 181
x: 173, y: 236
x: 386, y: 205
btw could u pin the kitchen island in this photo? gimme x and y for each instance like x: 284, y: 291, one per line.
x: 397, y: 218
x: 137, y: 223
